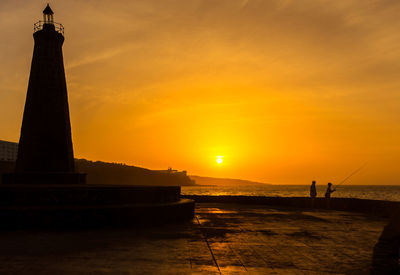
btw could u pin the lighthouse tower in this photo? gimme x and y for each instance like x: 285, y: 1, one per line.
x: 45, y: 190
x: 45, y: 152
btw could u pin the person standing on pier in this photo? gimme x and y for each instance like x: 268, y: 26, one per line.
x: 313, y: 193
x: 313, y: 190
x: 329, y: 191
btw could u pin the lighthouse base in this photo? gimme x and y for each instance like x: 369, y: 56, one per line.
x: 44, y: 178
x: 68, y: 206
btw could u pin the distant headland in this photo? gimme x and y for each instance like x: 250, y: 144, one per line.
x: 100, y: 172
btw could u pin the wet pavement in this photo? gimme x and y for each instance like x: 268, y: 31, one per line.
x: 223, y: 238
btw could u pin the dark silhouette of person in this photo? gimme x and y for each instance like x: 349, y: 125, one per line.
x: 313, y: 190
x: 329, y: 191
x: 313, y: 193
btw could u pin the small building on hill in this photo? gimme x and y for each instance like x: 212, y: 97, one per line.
x: 8, y: 151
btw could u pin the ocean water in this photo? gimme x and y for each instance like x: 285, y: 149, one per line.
x: 374, y: 192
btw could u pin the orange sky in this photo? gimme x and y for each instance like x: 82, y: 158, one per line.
x: 287, y: 91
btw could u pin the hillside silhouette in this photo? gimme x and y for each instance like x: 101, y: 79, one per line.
x: 99, y: 172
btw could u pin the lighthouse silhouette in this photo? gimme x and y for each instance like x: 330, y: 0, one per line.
x: 45, y: 191
x: 45, y: 153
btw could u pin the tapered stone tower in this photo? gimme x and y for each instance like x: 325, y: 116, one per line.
x: 45, y: 152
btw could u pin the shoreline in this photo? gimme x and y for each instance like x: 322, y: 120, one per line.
x: 371, y: 192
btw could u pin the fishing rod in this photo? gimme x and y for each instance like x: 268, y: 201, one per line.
x: 352, y: 174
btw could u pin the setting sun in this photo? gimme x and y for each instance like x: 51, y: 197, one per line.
x: 219, y: 159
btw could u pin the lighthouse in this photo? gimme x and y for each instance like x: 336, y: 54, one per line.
x: 45, y: 153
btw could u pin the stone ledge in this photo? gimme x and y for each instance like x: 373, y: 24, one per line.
x: 83, y: 216
x: 44, y: 178
x: 85, y: 194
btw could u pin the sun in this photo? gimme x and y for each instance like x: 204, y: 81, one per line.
x: 219, y: 159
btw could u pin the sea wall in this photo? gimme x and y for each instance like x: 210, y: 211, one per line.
x: 375, y: 207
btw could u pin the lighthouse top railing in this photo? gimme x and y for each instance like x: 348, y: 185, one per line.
x: 39, y: 26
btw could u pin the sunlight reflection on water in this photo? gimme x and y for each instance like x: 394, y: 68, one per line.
x: 374, y: 192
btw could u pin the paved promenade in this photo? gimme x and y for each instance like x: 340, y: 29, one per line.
x: 223, y: 238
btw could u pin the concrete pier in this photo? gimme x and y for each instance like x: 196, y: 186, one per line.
x: 221, y: 239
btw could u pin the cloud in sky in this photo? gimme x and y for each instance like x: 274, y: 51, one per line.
x: 287, y: 90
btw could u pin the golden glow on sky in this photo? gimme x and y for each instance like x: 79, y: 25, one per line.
x: 289, y: 91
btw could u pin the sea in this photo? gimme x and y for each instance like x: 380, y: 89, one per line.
x: 374, y: 192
